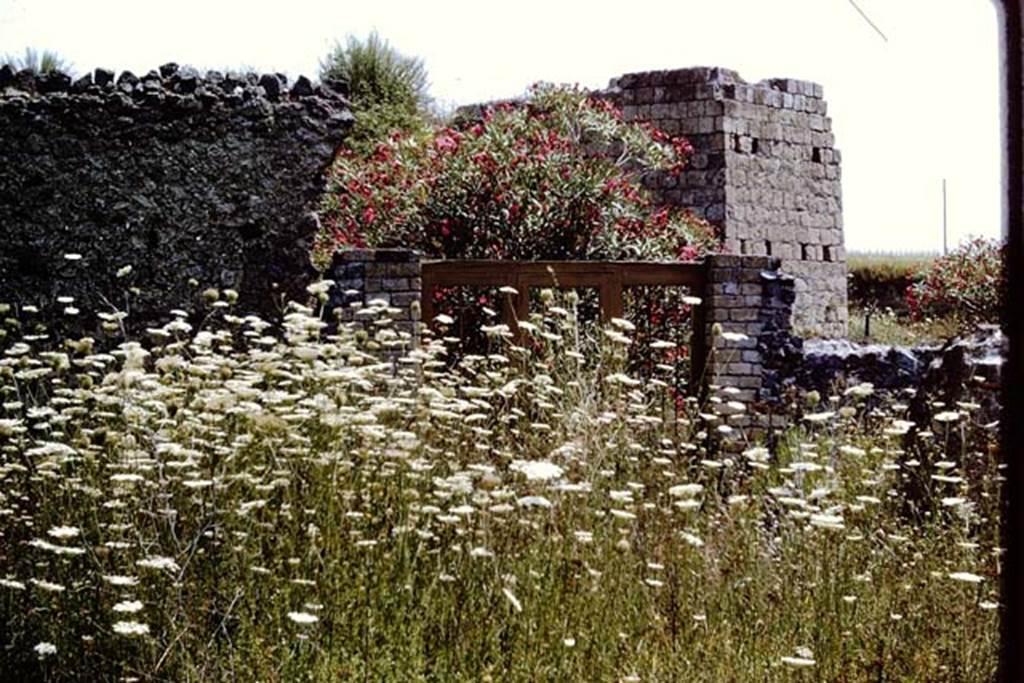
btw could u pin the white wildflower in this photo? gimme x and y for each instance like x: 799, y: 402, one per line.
x: 537, y: 470
x: 47, y: 586
x: 303, y: 618
x: 130, y: 628
x: 685, y: 490
x: 827, y: 521
x: 64, y: 531
x: 798, y: 661
x: 44, y: 649
x: 159, y: 562
x: 692, y: 539
x: 516, y: 605
x: 129, y: 606
x: 43, y: 544
x: 118, y: 580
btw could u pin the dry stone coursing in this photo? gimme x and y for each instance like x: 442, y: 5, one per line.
x: 973, y: 360
x: 178, y: 175
x: 749, y: 330
x: 363, y: 276
x: 765, y: 170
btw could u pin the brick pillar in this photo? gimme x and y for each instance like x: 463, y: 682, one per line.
x: 765, y: 170
x: 749, y: 296
x: 389, y: 277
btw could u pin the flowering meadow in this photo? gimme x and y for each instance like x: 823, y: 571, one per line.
x: 282, y: 500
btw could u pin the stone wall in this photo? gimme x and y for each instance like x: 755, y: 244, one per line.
x: 746, y: 296
x: 764, y: 169
x: 213, y: 178
x: 385, y: 279
x: 749, y: 325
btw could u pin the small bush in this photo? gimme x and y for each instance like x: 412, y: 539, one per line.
x: 968, y: 284
x: 37, y: 62
x: 388, y: 89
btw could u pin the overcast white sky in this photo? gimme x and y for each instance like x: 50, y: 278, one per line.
x: 907, y: 112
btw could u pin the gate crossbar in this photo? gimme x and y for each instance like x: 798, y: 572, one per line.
x: 609, y: 277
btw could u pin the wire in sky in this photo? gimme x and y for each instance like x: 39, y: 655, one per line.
x: 868, y: 19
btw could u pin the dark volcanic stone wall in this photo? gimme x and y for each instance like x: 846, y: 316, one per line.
x: 213, y: 178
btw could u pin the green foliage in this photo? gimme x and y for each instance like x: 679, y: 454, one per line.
x: 880, y: 281
x: 38, y: 62
x: 968, y: 284
x: 388, y: 89
x: 880, y: 266
x: 884, y: 325
x: 555, y: 178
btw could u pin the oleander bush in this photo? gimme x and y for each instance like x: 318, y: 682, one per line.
x: 260, y: 500
x: 554, y: 178
x: 968, y: 284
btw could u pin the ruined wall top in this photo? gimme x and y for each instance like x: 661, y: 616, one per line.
x: 729, y: 83
x: 213, y: 178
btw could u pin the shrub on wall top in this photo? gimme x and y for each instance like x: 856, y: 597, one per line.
x: 555, y: 178
x: 37, y: 62
x: 388, y: 90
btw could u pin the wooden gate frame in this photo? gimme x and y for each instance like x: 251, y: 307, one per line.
x: 608, y: 277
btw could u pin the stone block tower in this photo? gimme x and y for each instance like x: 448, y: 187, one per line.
x: 764, y: 170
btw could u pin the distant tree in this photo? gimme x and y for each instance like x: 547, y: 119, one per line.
x: 388, y: 90
x: 38, y: 62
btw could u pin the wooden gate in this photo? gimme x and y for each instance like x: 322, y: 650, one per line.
x: 608, y: 277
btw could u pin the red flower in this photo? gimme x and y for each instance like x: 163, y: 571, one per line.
x: 447, y: 140
x: 689, y: 253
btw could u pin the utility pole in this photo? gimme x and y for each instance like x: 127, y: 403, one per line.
x: 945, y: 243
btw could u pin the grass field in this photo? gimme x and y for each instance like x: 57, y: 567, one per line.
x: 888, y: 327
x: 239, y: 503
x: 877, y: 290
x: 892, y: 262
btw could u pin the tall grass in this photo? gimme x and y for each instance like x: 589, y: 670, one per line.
x: 245, y: 501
